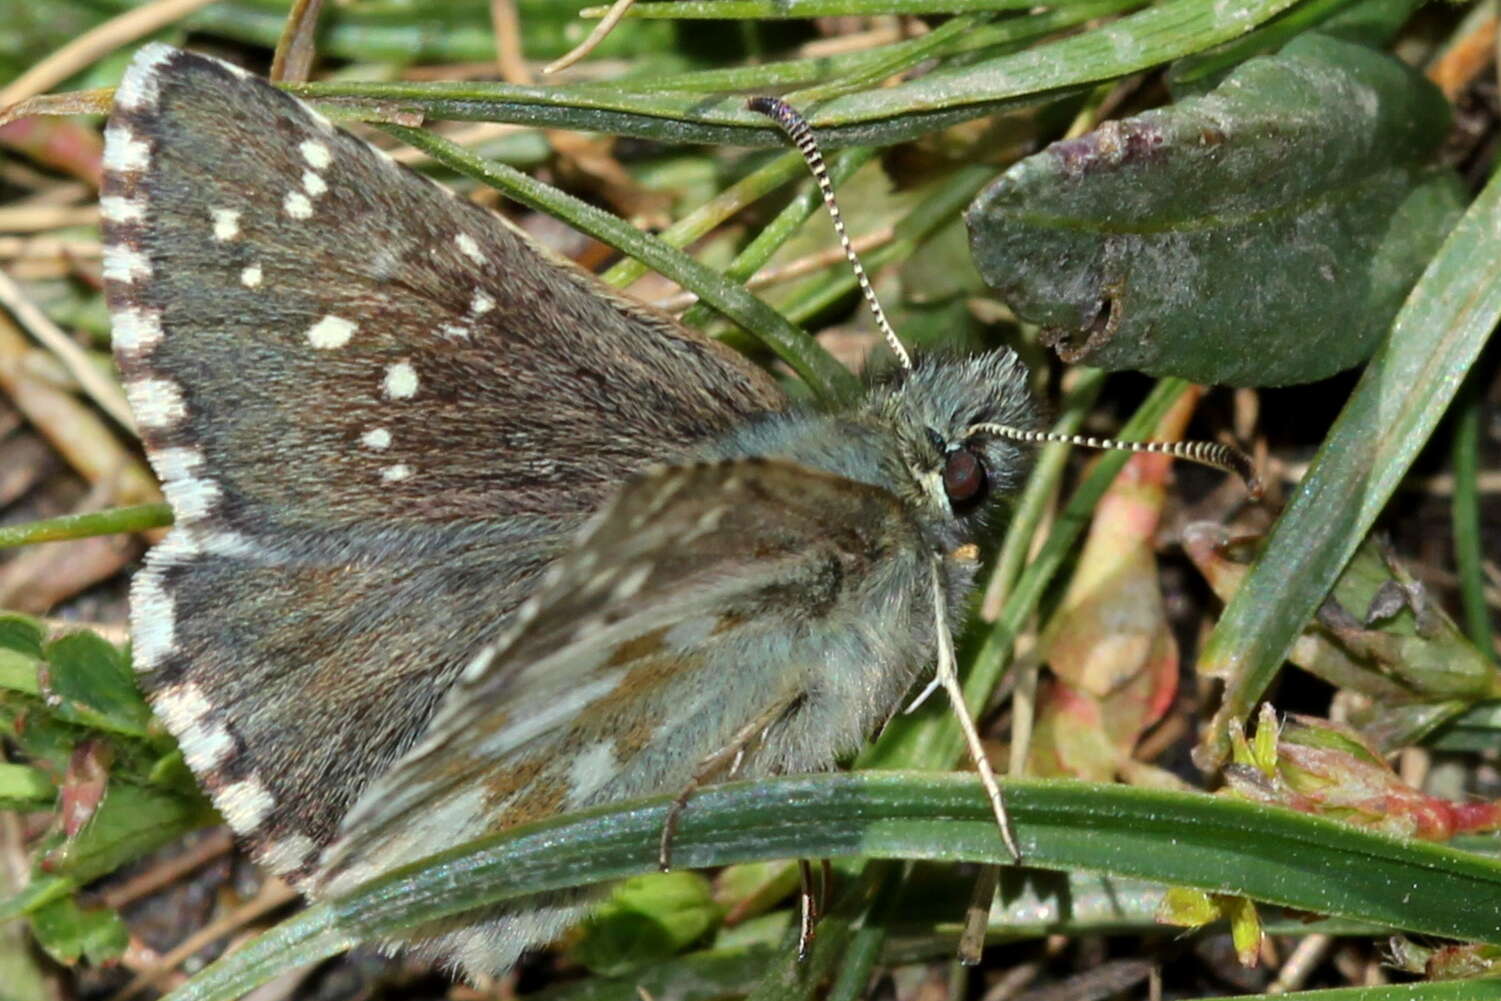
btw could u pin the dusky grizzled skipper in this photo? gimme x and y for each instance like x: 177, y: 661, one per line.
x: 465, y: 538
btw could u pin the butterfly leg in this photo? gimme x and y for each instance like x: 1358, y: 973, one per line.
x: 948, y: 676
x: 977, y: 917
x: 812, y: 898
x: 731, y: 755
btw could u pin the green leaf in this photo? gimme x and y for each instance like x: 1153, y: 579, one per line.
x: 132, y: 821
x: 1477, y: 729
x: 25, y: 788
x: 93, y: 680
x: 1261, y: 235
x: 69, y: 932
x: 646, y: 919
x: 1368, y: 22
x: 43, y: 890
x: 1403, y: 393
x: 1415, y: 641
x: 1215, y: 844
x: 21, y: 634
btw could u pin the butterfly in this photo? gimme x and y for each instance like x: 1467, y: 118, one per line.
x: 464, y: 538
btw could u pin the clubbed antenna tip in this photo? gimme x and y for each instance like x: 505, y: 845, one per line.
x: 1205, y: 453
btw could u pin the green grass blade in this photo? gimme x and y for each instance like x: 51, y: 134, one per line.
x: 873, y: 117
x: 1214, y: 843
x: 1403, y: 393
x: 82, y: 526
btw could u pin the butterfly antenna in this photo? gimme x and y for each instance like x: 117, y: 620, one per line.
x: 1205, y: 453
x: 801, y: 134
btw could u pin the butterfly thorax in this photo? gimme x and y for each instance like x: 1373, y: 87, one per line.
x: 900, y: 433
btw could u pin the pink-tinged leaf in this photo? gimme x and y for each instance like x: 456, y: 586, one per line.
x: 1110, y: 645
x: 1454, y: 962
x: 1329, y: 769
x: 84, y: 785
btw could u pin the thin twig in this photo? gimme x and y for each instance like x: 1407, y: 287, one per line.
x: 273, y: 894
x: 37, y: 218
x: 91, y: 46
x: 295, y: 50
x: 95, y: 384
x: 469, y: 137
x: 604, y: 27
x: 215, y: 845
x: 80, y: 435
x: 508, y: 55
x: 1306, y: 957
x: 48, y: 248
x: 792, y: 269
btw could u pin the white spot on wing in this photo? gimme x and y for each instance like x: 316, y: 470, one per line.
x: 469, y: 248
x: 226, y: 544
x: 298, y: 206
x: 137, y: 329
x: 191, y: 499
x: 191, y: 496
x: 205, y: 746
x: 707, y: 522
x: 116, y: 209
x: 395, y: 473
x: 124, y: 264
x: 631, y: 582
x: 556, y: 713
x: 482, y: 304
x: 316, y: 154
x: 690, y: 633
x: 138, y: 90
x: 330, y: 332
x: 123, y: 152
x: 177, y: 463
x: 476, y: 668
x: 376, y: 438
x: 401, y: 381
x: 591, y: 769
x: 313, y: 184
x: 180, y: 705
x: 177, y: 549
x: 245, y: 804
x: 156, y: 403
x: 457, y: 331
x: 226, y: 224
x: 153, y: 625
x: 288, y: 853
x: 251, y: 276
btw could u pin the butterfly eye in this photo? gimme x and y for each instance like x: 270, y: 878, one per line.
x: 963, y: 476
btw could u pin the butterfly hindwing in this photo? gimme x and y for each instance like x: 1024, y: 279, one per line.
x: 378, y: 412
x: 704, y: 603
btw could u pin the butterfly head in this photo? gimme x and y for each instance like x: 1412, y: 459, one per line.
x: 957, y: 472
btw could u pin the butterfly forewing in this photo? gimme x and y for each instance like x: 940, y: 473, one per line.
x: 704, y: 604
x: 378, y: 412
